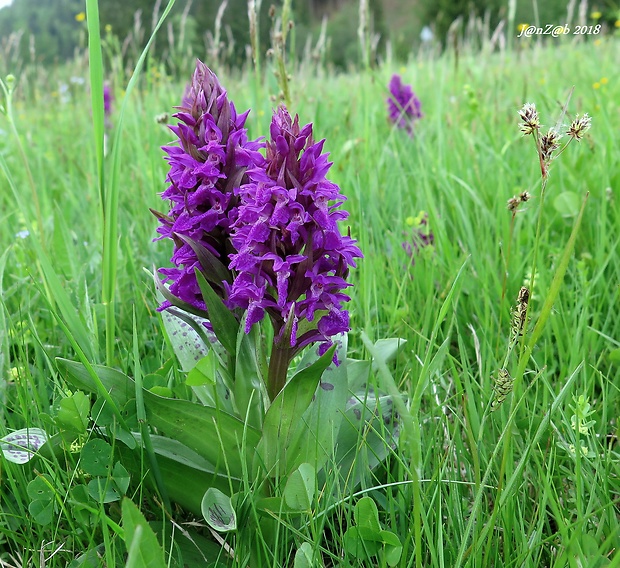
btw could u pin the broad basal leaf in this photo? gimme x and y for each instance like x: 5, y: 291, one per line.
x: 219, y: 437
x: 282, y: 418
x: 20, y: 446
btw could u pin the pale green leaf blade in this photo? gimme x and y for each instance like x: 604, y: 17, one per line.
x: 142, y: 545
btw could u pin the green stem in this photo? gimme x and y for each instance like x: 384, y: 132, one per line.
x: 278, y: 368
x: 507, y: 443
x: 505, y: 283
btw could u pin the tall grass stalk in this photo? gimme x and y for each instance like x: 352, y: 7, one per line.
x: 7, y: 88
x: 111, y: 193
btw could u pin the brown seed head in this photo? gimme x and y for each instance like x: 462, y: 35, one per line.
x: 519, y: 313
x: 549, y: 143
x: 524, y: 295
x: 579, y: 126
x: 529, y: 116
x: 513, y: 204
x: 525, y: 196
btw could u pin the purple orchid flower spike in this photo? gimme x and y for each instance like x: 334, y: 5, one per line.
x: 206, y: 169
x: 292, y: 260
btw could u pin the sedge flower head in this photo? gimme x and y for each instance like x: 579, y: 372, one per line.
x: 529, y: 116
x: 292, y: 261
x: 403, y: 105
x: 579, y: 126
x: 549, y: 143
x: 207, y: 166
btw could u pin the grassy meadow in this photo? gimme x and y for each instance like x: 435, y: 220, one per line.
x: 534, y: 483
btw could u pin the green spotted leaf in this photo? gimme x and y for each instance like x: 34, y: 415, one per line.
x: 218, y: 511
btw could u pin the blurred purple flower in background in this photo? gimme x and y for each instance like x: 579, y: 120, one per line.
x: 107, y: 100
x: 403, y: 105
x: 292, y: 261
x: 420, y: 238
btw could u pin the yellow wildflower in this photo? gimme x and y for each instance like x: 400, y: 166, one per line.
x: 522, y: 27
x: 80, y: 17
x: 604, y: 81
x: 596, y: 15
x: 596, y: 85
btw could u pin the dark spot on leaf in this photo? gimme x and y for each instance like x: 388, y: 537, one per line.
x: 327, y: 386
x: 357, y: 413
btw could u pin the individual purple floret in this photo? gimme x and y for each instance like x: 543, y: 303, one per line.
x: 403, y: 105
x: 292, y: 261
x: 206, y: 168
